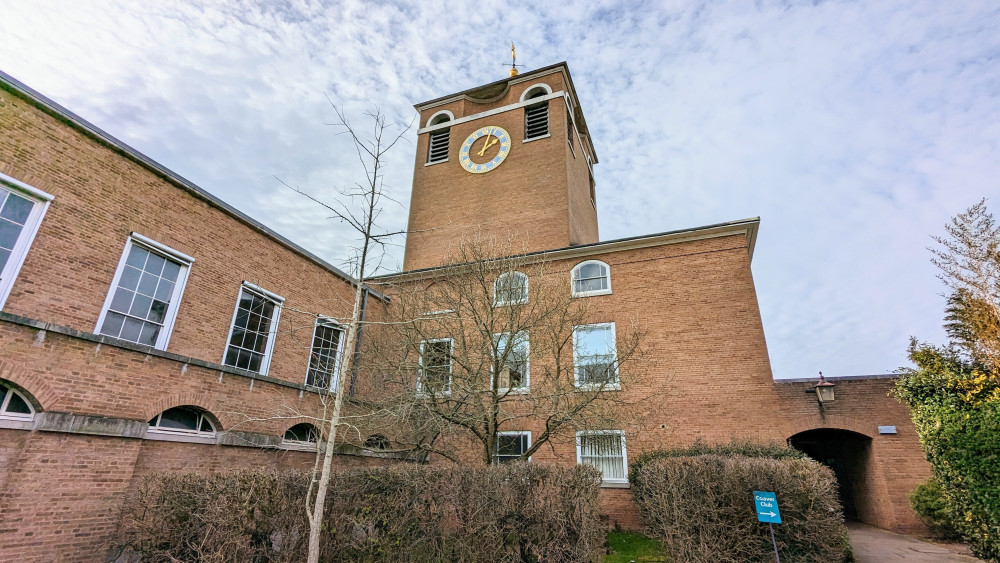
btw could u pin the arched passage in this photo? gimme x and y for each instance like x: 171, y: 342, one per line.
x: 848, y: 454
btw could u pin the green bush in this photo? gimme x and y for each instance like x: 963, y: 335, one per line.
x: 514, y: 512
x: 927, y: 500
x: 702, y: 507
x: 955, y: 406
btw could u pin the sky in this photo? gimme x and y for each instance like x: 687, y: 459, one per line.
x: 854, y: 130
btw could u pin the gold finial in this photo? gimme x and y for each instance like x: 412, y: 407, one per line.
x: 513, y: 60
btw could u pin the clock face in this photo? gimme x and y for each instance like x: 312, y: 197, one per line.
x: 484, y: 149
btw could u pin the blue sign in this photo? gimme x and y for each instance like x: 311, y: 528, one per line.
x: 767, y: 507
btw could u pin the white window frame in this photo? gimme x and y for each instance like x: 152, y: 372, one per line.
x: 305, y: 446
x: 525, y: 388
x: 15, y: 416
x: 495, y: 458
x: 616, y: 385
x: 496, y: 284
x: 181, y: 435
x: 451, y: 367
x: 20, y: 251
x: 272, y: 334
x: 532, y: 88
x: 151, y: 245
x: 621, y: 435
x: 326, y: 321
x: 572, y: 280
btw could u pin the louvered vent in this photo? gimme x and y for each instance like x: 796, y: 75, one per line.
x: 438, y: 151
x: 536, y: 121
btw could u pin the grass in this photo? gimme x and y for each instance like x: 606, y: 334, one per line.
x: 632, y: 546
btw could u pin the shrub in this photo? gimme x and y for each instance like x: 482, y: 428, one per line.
x: 927, y: 500
x: 768, y: 450
x: 955, y: 405
x: 514, y: 512
x: 702, y: 508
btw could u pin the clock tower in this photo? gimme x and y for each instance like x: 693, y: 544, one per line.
x: 511, y: 159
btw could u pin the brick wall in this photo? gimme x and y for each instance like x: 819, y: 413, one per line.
x: 62, y: 495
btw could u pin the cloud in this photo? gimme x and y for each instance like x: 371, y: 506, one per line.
x: 854, y: 129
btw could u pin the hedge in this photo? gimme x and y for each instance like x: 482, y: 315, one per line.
x: 513, y: 512
x: 702, y: 508
x: 955, y: 405
x: 769, y: 450
x: 962, y: 442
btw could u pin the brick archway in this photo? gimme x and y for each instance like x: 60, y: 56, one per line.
x: 203, y: 402
x: 849, y: 454
x: 28, y: 383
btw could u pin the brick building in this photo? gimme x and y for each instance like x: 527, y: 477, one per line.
x: 147, y: 326
x: 690, y: 290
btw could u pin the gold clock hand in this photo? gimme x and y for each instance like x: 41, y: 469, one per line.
x: 489, y: 143
x: 486, y: 144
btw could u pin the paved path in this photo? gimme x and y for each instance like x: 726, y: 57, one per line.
x: 873, y: 545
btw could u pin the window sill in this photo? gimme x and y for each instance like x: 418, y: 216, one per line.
x: 178, y: 437
x: 592, y: 293
x: 546, y: 136
x: 615, y: 485
x: 322, y: 390
x: 129, y: 342
x: 299, y: 446
x: 435, y: 162
x: 439, y: 395
x: 253, y: 374
x: 9, y: 422
x: 598, y: 387
x: 509, y: 303
x: 437, y: 313
x: 513, y: 391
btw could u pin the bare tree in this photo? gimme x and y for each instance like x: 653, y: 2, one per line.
x: 359, y: 206
x: 486, y: 344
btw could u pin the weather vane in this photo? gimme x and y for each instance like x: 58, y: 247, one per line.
x: 513, y: 61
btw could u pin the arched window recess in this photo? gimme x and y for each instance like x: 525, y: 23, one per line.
x: 377, y: 443
x: 15, y: 408
x: 536, y: 91
x: 302, y: 436
x: 183, y: 424
x: 440, y: 117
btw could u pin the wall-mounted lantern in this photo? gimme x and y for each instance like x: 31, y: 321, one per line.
x: 824, y: 390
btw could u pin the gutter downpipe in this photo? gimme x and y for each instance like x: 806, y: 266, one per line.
x: 357, y: 341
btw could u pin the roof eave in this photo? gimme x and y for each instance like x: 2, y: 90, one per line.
x: 747, y: 227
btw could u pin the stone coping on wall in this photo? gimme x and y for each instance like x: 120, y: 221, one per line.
x: 69, y: 423
x: 839, y: 378
x: 114, y: 342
